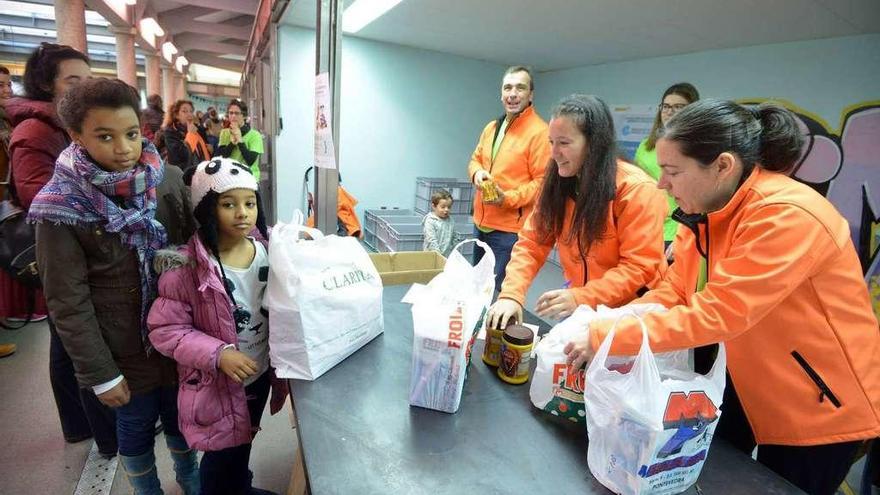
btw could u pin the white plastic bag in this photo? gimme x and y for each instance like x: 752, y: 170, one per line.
x: 649, y: 429
x: 560, y: 393
x: 447, y: 315
x: 324, y: 297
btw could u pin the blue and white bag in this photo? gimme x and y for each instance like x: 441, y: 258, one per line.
x: 650, y: 428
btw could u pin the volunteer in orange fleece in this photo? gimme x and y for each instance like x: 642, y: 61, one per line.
x: 767, y: 266
x: 604, y: 215
x: 507, y: 167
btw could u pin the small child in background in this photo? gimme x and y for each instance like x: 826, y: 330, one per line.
x: 439, y: 227
x: 209, y: 317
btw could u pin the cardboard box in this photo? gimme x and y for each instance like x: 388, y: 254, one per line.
x: 408, y: 267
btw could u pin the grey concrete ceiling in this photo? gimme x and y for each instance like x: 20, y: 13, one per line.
x: 559, y: 34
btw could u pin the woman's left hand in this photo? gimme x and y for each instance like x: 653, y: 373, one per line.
x: 557, y: 304
x: 579, y: 351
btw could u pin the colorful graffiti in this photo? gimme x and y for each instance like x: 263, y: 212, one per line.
x: 844, y: 166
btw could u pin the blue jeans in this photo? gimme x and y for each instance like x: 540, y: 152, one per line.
x: 502, y: 244
x: 136, y: 421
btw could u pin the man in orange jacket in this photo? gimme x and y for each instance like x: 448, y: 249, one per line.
x: 507, y: 168
x: 767, y: 266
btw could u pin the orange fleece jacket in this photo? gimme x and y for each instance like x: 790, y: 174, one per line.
x: 787, y: 296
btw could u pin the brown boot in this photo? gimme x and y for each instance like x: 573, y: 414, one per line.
x: 6, y: 350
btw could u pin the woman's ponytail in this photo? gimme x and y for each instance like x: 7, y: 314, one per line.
x: 781, y: 137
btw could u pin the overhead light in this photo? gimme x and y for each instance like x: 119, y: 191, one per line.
x: 149, y: 26
x: 168, y: 51
x: 131, y: 2
x: 180, y: 62
x: 362, y: 12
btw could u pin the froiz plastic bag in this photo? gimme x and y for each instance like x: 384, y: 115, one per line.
x: 447, y: 314
x: 650, y: 428
x: 557, y: 390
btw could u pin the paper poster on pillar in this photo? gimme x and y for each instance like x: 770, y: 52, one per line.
x: 325, y: 152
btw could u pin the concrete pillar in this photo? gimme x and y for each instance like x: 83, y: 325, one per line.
x: 153, y: 72
x: 169, y: 88
x: 181, y: 87
x: 70, y: 21
x: 126, y: 66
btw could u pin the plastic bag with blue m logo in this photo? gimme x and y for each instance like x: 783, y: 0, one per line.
x: 650, y: 428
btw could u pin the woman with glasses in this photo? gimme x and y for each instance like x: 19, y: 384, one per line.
x: 675, y: 98
x: 240, y: 142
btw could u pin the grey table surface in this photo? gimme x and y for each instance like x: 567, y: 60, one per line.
x: 359, y: 435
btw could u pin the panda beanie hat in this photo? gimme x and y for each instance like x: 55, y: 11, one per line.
x: 219, y: 175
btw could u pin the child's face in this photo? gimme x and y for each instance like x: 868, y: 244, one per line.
x: 236, y: 213
x: 112, y: 136
x: 441, y: 209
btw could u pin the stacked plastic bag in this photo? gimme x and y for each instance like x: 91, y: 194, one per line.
x: 448, y: 313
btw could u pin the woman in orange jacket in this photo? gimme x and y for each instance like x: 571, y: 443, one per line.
x: 766, y: 265
x: 604, y: 215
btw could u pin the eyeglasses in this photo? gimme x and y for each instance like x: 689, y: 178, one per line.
x: 233, y: 113
x: 665, y: 107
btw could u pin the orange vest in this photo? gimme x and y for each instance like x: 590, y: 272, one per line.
x: 629, y: 257
x: 787, y: 296
x: 518, y: 169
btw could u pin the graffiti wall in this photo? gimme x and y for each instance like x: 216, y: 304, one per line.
x: 843, y: 164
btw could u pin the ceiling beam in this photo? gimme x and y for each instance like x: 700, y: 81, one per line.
x: 176, y: 25
x: 204, y: 58
x: 188, y: 12
x: 192, y: 41
x: 240, y: 6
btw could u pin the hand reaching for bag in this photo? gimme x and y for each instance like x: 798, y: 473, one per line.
x: 117, y: 396
x: 236, y: 364
x: 579, y: 351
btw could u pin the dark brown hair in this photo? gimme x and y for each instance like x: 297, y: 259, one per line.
x: 41, y: 69
x: 595, y: 185
x: 683, y: 89
x: 767, y: 135
x: 94, y: 93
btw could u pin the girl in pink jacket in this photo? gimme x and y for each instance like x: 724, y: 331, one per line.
x: 209, y: 318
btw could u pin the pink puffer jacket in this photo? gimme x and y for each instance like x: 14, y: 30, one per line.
x: 190, y: 322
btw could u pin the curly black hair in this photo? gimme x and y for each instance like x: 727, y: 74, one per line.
x: 41, y: 69
x: 96, y: 93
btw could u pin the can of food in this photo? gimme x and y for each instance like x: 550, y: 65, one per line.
x: 489, y: 192
x: 492, y: 347
x: 516, y: 354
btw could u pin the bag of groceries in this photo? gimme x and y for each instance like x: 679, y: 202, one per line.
x: 557, y: 390
x: 650, y: 427
x: 448, y: 313
x: 324, y: 297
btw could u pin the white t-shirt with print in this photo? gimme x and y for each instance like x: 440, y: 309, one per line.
x: 248, y: 288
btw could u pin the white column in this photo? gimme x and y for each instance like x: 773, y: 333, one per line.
x: 126, y: 66
x: 70, y: 22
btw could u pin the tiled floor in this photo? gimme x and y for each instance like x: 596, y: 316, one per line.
x: 34, y: 459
